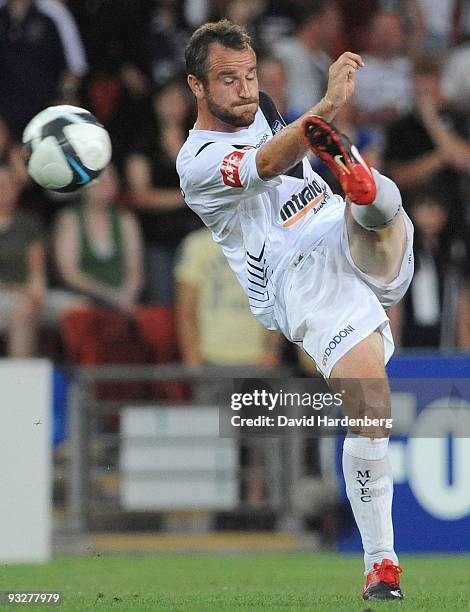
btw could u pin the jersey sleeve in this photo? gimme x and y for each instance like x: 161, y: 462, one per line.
x: 220, y: 170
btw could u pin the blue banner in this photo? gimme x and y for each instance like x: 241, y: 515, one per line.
x: 431, y: 506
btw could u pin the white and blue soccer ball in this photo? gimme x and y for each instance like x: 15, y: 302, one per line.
x: 65, y: 148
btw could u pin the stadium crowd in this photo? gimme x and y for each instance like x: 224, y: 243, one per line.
x: 125, y: 271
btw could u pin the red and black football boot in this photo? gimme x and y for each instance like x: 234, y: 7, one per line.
x: 337, y: 151
x: 383, y: 582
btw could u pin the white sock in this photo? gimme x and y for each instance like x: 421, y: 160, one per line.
x: 369, y: 487
x: 384, y: 209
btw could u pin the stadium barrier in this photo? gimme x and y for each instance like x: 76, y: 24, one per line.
x: 166, y: 455
x: 147, y: 454
x: 26, y: 460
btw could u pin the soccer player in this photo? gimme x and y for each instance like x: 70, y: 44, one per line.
x: 320, y: 269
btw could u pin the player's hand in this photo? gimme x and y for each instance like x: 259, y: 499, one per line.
x: 341, y: 80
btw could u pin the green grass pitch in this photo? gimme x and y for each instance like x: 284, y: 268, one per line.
x: 221, y: 583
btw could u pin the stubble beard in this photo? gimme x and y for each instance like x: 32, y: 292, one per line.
x: 228, y: 117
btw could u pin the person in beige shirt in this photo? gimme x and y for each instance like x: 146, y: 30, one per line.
x: 215, y: 327
x: 214, y: 322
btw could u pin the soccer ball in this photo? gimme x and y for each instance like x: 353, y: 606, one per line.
x: 65, y: 148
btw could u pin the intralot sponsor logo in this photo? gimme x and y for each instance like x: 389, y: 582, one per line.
x: 337, y: 339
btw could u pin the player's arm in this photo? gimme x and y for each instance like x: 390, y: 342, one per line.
x: 288, y: 146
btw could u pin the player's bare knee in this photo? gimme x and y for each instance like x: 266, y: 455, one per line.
x: 361, y: 379
x: 367, y: 404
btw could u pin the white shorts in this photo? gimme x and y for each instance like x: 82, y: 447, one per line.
x: 327, y: 305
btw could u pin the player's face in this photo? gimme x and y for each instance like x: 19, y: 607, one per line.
x: 232, y: 92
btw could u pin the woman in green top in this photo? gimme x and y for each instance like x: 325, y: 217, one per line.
x: 98, y: 248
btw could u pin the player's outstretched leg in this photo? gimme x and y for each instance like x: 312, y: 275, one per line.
x: 366, y: 468
x: 377, y: 241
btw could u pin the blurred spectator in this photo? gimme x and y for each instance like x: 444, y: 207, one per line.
x: 412, y: 16
x: 438, y: 21
x: 430, y: 142
x: 22, y: 271
x: 383, y: 87
x: 214, y: 323
x: 272, y: 78
x: 462, y: 20
x: 464, y: 308
x: 98, y: 248
x: 117, y: 101
x: 154, y: 188
x: 357, y: 17
x: 428, y: 315
x: 248, y: 14
x: 456, y: 77
x: 10, y: 154
x: 277, y: 21
x: 165, y: 40
x: 196, y: 12
x: 116, y: 87
x: 112, y: 31
x: 307, y: 55
x: 41, y: 58
x: 215, y: 327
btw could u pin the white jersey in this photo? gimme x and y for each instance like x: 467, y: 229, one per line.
x: 260, y: 225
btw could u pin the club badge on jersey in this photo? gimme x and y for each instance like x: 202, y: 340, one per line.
x: 230, y: 169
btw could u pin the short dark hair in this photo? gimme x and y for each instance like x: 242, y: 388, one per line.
x: 224, y: 32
